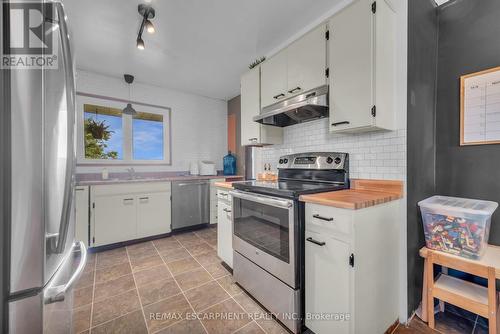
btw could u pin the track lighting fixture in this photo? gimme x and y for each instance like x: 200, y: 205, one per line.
x: 140, y: 43
x: 150, y: 28
x: 147, y: 13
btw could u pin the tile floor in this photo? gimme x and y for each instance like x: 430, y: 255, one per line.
x: 177, y: 285
x: 171, y: 285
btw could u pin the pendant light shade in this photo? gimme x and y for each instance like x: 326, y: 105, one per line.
x: 129, y: 110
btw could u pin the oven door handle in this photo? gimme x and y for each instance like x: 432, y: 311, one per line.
x: 281, y: 203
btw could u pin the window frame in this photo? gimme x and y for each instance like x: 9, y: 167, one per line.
x: 83, y: 98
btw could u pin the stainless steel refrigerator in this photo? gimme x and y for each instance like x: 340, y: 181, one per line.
x: 41, y: 260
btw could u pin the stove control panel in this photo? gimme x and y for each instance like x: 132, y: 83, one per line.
x: 315, y: 161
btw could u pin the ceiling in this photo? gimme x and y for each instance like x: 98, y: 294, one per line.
x: 200, y: 46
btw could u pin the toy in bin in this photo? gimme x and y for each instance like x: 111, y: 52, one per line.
x: 459, y: 226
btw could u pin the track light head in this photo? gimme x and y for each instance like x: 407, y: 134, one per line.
x: 150, y: 28
x: 140, y: 43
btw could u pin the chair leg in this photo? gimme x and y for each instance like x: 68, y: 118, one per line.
x: 429, y: 264
x: 492, y: 301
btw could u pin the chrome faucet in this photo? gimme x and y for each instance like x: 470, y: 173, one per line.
x: 131, y: 173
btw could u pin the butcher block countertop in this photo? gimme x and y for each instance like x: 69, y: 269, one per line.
x: 227, y: 185
x: 362, y: 194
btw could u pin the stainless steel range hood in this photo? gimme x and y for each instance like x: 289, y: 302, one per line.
x: 304, y: 107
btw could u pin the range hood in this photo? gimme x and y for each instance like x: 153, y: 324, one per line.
x: 304, y: 107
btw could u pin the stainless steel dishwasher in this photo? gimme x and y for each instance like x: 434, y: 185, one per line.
x: 190, y: 203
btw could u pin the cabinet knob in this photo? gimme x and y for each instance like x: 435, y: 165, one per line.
x: 279, y: 96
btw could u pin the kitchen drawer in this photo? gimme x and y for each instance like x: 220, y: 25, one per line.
x: 223, y: 195
x: 321, y: 219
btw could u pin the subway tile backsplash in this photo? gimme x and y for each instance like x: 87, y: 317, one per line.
x: 373, y: 155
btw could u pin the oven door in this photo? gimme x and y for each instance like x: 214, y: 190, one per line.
x: 264, y: 232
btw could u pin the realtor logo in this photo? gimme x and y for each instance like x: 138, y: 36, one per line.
x: 29, y: 35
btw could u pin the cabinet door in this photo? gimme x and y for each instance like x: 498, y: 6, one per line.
x: 384, y: 65
x: 153, y: 214
x: 114, y: 219
x: 250, y: 107
x: 327, y: 283
x: 351, y: 67
x: 274, y: 79
x: 224, y: 233
x: 82, y: 214
x: 307, y: 62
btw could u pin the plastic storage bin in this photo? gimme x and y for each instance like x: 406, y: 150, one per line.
x: 459, y: 226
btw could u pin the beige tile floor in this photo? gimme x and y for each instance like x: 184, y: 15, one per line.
x: 171, y: 285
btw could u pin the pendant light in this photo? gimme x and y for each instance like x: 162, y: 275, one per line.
x: 129, y: 110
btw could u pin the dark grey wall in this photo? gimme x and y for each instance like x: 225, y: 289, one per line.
x: 469, y: 41
x: 422, y: 62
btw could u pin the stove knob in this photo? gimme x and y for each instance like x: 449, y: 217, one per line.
x: 285, y: 161
x: 281, y: 161
x: 329, y: 160
x: 338, y: 160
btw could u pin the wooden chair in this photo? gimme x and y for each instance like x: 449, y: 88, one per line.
x: 464, y: 294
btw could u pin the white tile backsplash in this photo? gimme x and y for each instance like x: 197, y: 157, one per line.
x: 372, y: 155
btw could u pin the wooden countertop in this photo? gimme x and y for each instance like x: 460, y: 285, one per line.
x: 363, y: 194
x: 227, y: 185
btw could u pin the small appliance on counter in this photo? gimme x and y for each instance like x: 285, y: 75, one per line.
x: 229, y: 162
x: 194, y: 168
x: 207, y: 168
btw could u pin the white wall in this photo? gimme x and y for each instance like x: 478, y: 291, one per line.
x: 199, y: 124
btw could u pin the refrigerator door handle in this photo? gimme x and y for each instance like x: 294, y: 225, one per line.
x: 57, y: 293
x: 71, y: 104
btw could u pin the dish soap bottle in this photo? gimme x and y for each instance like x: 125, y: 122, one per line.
x: 229, y: 162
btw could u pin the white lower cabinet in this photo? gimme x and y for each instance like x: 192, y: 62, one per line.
x: 123, y: 212
x: 351, y: 268
x: 114, y: 219
x: 327, y: 283
x: 153, y: 214
x: 214, y: 200
x: 82, y: 214
x: 224, y: 227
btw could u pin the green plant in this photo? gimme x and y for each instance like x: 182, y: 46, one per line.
x: 96, y: 136
x: 99, y: 130
x: 256, y: 62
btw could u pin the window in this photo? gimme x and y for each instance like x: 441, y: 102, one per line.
x: 107, y: 136
x: 147, y: 136
x: 103, y: 133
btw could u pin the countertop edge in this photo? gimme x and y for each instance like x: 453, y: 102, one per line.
x: 83, y: 183
x: 225, y: 185
x: 370, y: 193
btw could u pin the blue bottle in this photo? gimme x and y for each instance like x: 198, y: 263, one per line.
x: 229, y: 162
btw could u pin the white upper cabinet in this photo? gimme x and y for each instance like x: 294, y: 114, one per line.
x: 253, y: 133
x: 361, y: 58
x: 274, y: 79
x: 306, y: 62
x: 250, y: 106
x: 298, y: 68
